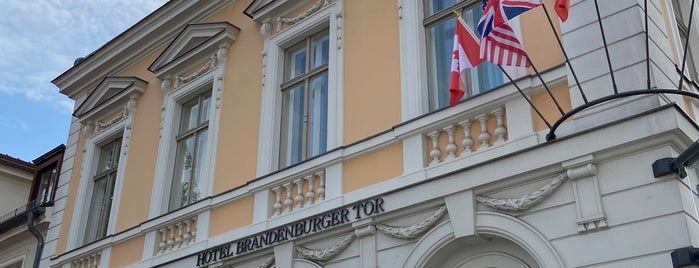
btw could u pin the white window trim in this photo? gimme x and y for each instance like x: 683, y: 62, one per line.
x: 693, y: 35
x: 168, y: 146
x: 89, y: 164
x: 414, y: 81
x: 20, y: 258
x: 273, y: 55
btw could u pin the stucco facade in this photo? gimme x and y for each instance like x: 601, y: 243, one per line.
x: 308, y: 134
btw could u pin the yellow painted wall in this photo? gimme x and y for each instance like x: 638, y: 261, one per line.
x: 538, y: 38
x: 240, y: 109
x: 231, y: 216
x: 372, y: 168
x: 72, y: 192
x: 548, y: 109
x: 126, y: 253
x: 371, y: 69
x: 669, y: 30
x: 143, y: 148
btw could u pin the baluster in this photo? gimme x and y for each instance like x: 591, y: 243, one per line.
x: 277, y: 201
x: 178, y: 238
x: 500, y: 130
x: 299, y: 193
x: 435, y: 153
x: 186, y: 236
x: 193, y: 233
x: 321, y: 185
x: 288, y: 202
x: 171, y: 238
x: 310, y: 194
x: 163, y: 241
x: 80, y: 262
x: 467, y: 143
x: 484, y: 137
x: 451, y: 146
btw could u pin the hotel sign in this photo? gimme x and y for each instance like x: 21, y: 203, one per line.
x: 291, y: 231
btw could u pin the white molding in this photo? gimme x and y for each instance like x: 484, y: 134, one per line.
x: 167, y: 145
x: 273, y: 54
x: 89, y: 162
x: 414, y: 96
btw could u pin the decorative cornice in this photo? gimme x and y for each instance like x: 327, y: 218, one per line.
x: 291, y: 21
x: 414, y: 230
x: 326, y: 253
x: 525, y: 202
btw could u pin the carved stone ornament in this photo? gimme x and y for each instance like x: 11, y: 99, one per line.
x: 305, y: 14
x: 180, y: 80
x: 414, y: 230
x: 267, y: 263
x: 526, y: 201
x: 326, y: 253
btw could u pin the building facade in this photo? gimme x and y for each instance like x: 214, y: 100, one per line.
x: 316, y: 133
x: 26, y: 199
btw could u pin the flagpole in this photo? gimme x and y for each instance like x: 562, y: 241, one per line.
x: 560, y: 44
x: 545, y: 86
x: 606, y: 49
x: 525, y: 97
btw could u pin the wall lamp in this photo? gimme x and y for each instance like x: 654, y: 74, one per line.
x: 677, y: 165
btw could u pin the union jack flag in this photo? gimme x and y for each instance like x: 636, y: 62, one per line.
x: 499, y: 44
x: 496, y: 12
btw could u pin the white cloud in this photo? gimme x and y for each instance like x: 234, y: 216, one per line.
x: 40, y: 39
x: 13, y: 124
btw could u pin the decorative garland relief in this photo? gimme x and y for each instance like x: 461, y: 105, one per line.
x: 526, y: 201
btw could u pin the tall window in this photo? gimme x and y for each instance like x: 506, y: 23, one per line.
x: 103, y: 191
x: 684, y: 35
x: 191, y: 147
x: 439, y: 26
x: 305, y: 100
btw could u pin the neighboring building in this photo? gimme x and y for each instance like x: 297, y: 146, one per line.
x: 26, y: 198
x: 263, y: 133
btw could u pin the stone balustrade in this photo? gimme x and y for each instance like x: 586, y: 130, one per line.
x: 177, y: 235
x: 298, y: 192
x: 465, y: 136
x: 87, y: 261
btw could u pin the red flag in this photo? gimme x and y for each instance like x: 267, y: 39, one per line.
x: 562, y: 7
x: 466, y: 55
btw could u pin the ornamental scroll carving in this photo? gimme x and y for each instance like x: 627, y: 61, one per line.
x: 267, y: 263
x: 180, y: 80
x: 305, y: 14
x: 414, y: 230
x: 326, y: 253
x: 526, y: 201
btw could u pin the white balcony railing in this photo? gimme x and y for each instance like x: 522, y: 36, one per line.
x: 298, y: 192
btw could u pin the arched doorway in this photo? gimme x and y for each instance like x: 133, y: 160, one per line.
x: 481, y: 252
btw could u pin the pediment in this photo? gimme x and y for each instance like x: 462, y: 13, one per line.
x: 112, y: 92
x: 192, y: 46
x: 257, y: 7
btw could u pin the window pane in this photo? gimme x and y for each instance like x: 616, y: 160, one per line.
x: 179, y: 192
x: 100, y: 208
x: 440, y: 43
x: 320, y: 46
x: 190, y: 113
x: 318, y: 114
x: 295, y: 61
x: 434, y: 6
x: 109, y: 156
x: 205, y: 104
x: 292, y: 125
x: 201, y: 151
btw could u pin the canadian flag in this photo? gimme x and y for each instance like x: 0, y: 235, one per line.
x: 466, y: 55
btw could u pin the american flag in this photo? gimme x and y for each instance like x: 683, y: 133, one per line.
x: 499, y: 44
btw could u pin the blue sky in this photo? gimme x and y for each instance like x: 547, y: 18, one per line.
x: 39, y: 40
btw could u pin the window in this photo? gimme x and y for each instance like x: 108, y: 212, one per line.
x: 683, y: 31
x: 191, y: 147
x: 47, y: 183
x: 304, y: 121
x: 102, y: 191
x: 439, y: 26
